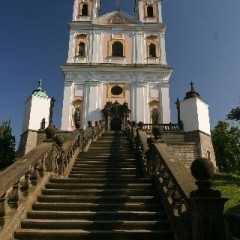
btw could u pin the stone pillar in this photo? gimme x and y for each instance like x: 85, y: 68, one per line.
x: 67, y: 106
x: 163, y: 55
x: 86, y: 104
x: 206, y: 205
x: 164, y: 101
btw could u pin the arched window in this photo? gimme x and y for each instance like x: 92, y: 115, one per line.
x: 150, y: 11
x: 81, y: 49
x: 152, y: 50
x: 85, y: 10
x: 117, y: 49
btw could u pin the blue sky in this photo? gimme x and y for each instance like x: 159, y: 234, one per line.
x: 203, y: 46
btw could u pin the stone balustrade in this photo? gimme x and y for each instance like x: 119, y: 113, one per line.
x: 21, y: 182
x: 195, y: 211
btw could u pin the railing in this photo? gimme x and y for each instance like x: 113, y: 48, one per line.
x: 18, y: 181
x: 188, y: 207
x: 163, y: 127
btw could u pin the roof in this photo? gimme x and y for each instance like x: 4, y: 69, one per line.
x: 116, y: 17
x: 39, y: 92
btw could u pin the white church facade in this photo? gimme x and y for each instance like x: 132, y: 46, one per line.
x: 116, y: 57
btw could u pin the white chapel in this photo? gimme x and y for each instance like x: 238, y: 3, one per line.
x: 116, y: 58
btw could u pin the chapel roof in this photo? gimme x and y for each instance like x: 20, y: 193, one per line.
x: 39, y: 92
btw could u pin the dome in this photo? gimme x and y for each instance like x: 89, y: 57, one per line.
x: 39, y: 92
x: 192, y: 93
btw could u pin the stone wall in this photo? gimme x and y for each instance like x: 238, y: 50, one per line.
x: 204, y: 143
x: 186, y: 153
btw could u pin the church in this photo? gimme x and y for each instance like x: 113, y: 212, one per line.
x: 116, y: 58
x: 117, y: 71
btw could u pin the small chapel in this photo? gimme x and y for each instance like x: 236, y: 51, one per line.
x: 115, y: 60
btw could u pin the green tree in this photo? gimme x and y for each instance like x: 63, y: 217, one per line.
x: 234, y: 114
x: 226, y: 142
x: 7, y: 145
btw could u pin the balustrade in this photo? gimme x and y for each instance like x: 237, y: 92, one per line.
x: 184, y: 202
x: 28, y: 171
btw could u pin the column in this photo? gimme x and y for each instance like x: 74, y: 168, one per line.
x: 164, y: 103
x: 72, y: 46
x: 141, y: 102
x: 86, y: 104
x: 133, y: 102
x: 163, y: 57
x: 94, y: 108
x: 67, y: 106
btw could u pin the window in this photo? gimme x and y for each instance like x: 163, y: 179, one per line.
x: 150, y: 11
x: 152, y: 50
x: 152, y: 46
x: 81, y: 45
x: 117, y: 49
x: 85, y: 10
x: 81, y: 49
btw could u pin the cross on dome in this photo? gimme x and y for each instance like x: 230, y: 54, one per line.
x: 118, y: 4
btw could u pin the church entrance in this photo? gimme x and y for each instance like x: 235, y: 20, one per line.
x: 116, y: 124
x: 116, y: 115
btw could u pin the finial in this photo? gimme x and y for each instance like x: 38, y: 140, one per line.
x: 192, y: 86
x: 118, y: 5
x: 40, y: 83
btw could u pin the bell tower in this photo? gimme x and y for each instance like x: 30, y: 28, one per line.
x: 149, y: 11
x: 86, y: 10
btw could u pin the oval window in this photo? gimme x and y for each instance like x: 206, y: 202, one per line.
x: 116, y: 90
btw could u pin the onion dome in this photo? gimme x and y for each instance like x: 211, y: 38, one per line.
x: 39, y: 92
x: 192, y: 93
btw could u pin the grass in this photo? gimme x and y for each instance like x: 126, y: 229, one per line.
x: 229, y: 185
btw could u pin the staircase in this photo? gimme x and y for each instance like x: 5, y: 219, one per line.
x: 105, y: 197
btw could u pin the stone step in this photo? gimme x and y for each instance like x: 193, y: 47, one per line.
x: 95, y: 207
x: 99, y: 192
x: 94, y: 225
x: 99, y: 180
x: 99, y: 185
x: 92, y: 235
x: 108, y: 175
x: 99, y: 199
x: 105, y: 197
x: 111, y: 167
x: 99, y: 215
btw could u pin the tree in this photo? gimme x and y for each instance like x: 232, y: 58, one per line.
x: 234, y: 114
x: 7, y: 145
x: 226, y: 142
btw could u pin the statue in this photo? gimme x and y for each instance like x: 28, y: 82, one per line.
x: 77, y: 117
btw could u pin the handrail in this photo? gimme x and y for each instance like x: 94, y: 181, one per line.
x: 163, y: 127
x: 174, y: 182
x: 195, y: 211
x: 47, y: 157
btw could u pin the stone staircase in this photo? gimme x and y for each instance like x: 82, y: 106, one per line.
x: 105, y: 197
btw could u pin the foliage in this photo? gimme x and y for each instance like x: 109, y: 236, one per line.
x: 229, y: 185
x: 7, y: 145
x: 234, y: 114
x: 226, y: 142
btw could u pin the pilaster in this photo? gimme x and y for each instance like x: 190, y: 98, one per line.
x: 67, y: 106
x: 164, y: 103
x: 163, y: 56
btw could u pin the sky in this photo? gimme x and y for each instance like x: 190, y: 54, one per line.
x: 202, y: 44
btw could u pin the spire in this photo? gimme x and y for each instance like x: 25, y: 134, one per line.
x: 192, y: 93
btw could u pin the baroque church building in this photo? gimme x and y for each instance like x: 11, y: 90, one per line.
x: 116, y: 58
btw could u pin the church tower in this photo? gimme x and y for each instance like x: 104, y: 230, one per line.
x: 116, y: 58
